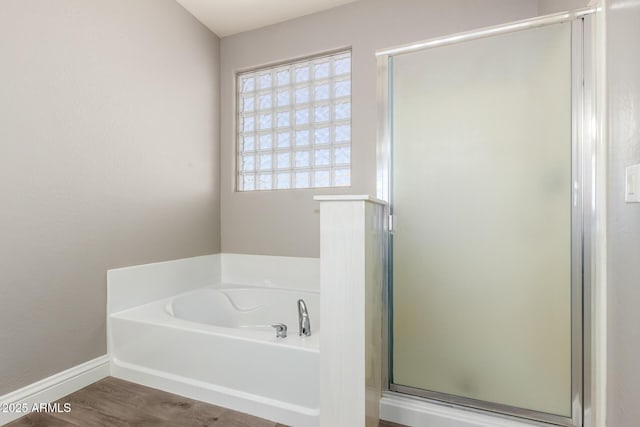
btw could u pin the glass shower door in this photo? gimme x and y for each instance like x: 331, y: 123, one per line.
x: 481, y: 196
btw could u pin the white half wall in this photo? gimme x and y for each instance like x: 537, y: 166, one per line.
x: 352, y: 268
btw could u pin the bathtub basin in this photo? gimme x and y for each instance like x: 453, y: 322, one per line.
x: 246, y: 308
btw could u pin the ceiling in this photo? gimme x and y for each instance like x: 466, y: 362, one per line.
x: 227, y: 17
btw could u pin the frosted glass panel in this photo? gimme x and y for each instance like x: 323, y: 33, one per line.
x: 482, y: 231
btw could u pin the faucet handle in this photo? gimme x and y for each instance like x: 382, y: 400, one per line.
x: 281, y: 330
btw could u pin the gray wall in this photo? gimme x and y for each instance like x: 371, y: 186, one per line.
x: 547, y: 7
x: 287, y: 222
x: 108, y: 158
x: 623, y: 74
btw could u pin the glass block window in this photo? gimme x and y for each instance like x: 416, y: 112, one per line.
x: 294, y: 125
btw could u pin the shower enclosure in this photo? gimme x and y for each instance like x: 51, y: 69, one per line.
x: 486, y: 160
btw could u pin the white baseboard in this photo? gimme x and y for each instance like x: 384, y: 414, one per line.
x: 418, y: 413
x: 53, y: 387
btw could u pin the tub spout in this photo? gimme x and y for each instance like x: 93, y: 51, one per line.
x: 303, y: 319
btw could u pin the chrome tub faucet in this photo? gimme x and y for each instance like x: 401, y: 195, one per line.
x: 303, y: 319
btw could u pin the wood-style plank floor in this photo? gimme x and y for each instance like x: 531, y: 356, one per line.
x: 114, y: 402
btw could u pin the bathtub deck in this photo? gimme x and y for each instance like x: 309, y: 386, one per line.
x: 114, y: 402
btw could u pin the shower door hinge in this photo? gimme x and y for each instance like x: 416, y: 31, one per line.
x: 390, y: 223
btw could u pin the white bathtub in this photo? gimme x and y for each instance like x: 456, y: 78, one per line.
x: 217, y: 345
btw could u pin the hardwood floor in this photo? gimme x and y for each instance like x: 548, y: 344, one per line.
x: 113, y: 402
